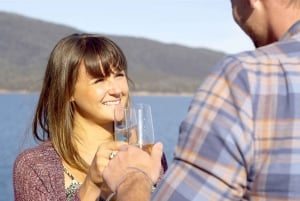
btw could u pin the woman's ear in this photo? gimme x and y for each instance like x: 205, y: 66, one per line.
x: 72, y: 99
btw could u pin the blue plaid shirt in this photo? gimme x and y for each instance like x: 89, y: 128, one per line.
x: 241, y: 137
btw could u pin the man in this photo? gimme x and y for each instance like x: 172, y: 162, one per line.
x: 241, y: 137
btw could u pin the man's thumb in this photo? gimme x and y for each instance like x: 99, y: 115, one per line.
x: 157, y: 151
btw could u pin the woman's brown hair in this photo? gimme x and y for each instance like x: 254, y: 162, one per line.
x: 53, y: 118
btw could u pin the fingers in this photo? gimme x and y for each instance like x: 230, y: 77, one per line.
x: 123, y: 147
x: 110, y: 149
x: 157, y: 151
x: 132, y: 156
x: 104, y: 154
x: 156, y: 155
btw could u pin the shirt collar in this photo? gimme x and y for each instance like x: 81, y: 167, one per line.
x: 293, y: 30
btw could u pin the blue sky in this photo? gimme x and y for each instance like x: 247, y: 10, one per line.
x: 194, y: 23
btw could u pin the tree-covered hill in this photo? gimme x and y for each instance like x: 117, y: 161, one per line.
x: 25, y: 44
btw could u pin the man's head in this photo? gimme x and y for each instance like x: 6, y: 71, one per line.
x: 265, y: 21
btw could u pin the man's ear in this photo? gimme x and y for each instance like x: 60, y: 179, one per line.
x: 253, y: 3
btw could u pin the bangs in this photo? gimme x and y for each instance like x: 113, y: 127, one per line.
x: 103, y: 57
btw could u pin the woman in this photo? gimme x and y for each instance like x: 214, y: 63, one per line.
x: 86, y: 77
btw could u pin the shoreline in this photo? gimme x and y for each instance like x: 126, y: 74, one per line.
x: 144, y: 93
x: 5, y: 91
x: 137, y: 93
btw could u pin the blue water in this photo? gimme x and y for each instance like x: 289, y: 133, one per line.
x: 16, y: 111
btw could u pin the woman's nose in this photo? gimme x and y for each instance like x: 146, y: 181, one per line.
x: 114, y: 87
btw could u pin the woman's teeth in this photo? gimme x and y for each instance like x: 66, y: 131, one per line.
x: 112, y: 102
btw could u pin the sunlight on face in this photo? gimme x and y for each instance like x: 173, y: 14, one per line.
x: 96, y: 98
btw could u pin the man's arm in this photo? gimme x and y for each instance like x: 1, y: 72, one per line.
x: 136, y: 188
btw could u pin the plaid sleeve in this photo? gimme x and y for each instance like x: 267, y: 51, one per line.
x: 215, y: 141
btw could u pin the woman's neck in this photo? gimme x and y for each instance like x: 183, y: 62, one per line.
x: 88, y: 136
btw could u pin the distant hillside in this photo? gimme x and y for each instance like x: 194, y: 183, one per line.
x: 25, y: 44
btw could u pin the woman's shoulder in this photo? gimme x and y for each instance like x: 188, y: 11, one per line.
x: 43, y: 154
x: 39, y: 169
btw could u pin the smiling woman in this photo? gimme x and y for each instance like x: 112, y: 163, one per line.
x: 86, y: 77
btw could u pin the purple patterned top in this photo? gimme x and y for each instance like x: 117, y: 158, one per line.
x: 38, y: 175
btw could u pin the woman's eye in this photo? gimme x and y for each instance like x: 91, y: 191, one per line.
x: 120, y: 74
x: 99, y: 80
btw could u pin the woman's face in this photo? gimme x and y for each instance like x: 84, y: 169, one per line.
x: 96, y: 98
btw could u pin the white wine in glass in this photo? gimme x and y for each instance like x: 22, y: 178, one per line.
x: 145, y: 127
x: 145, y: 135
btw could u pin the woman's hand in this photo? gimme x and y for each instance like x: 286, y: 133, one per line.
x: 92, y: 184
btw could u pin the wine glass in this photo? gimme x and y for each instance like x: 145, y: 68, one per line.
x: 145, y: 138
x: 125, y: 124
x: 134, y: 125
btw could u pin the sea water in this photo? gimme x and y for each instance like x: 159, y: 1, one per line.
x: 16, y: 113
